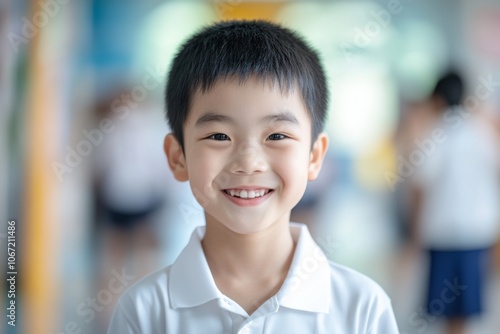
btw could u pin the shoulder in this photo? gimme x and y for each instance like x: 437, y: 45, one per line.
x: 150, y: 294
x: 360, y: 301
x: 148, y: 290
x: 354, y: 286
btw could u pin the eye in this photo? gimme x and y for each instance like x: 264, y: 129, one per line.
x: 218, y: 136
x: 277, y: 136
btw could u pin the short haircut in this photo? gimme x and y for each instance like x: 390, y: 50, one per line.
x: 450, y: 88
x: 244, y: 49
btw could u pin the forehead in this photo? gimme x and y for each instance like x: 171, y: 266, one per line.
x: 248, y: 98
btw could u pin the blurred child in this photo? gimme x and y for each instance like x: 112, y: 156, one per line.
x: 456, y: 204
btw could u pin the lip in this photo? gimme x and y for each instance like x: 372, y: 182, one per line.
x: 248, y: 201
x: 248, y: 188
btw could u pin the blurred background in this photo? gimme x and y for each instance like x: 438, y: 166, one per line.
x: 82, y: 170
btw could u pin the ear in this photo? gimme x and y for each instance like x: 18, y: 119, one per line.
x: 175, y: 157
x: 317, y: 155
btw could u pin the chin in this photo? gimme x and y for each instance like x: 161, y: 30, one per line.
x: 247, y: 226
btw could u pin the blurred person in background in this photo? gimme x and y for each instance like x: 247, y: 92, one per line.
x: 417, y: 117
x: 455, y: 202
x: 130, y: 186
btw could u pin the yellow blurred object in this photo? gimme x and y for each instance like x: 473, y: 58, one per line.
x: 39, y: 263
x: 237, y: 10
x: 372, y: 168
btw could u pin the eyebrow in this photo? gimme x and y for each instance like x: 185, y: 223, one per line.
x: 282, y: 117
x: 211, y: 117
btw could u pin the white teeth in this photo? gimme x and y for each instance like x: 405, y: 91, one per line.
x: 247, y: 193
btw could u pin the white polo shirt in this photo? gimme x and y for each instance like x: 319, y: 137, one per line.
x: 317, y: 297
x: 460, y: 180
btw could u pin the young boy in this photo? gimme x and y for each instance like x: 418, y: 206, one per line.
x: 246, y: 101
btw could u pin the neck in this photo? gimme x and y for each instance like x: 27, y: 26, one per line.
x: 266, y: 253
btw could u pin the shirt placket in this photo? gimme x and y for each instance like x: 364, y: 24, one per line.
x: 254, y: 324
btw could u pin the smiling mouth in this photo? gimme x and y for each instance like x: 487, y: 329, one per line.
x: 247, y: 193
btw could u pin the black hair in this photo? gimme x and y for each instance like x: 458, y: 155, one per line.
x: 450, y: 88
x: 244, y: 49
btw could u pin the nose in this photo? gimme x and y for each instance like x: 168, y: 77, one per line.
x: 248, y: 159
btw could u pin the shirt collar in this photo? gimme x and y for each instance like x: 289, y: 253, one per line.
x: 306, y: 287
x: 191, y: 283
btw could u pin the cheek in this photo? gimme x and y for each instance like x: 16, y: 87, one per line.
x: 293, y: 167
x: 205, y: 167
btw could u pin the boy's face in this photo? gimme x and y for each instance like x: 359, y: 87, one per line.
x: 247, y: 153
